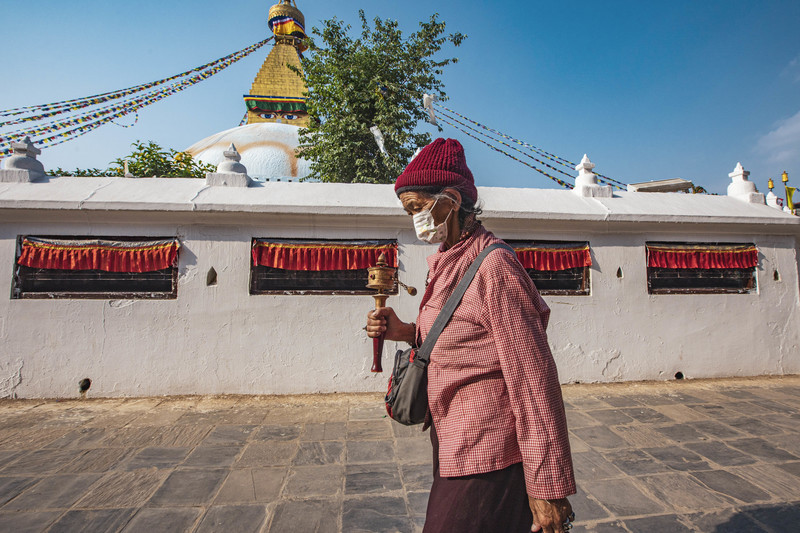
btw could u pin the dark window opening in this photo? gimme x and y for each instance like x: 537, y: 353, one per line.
x: 50, y: 283
x: 269, y: 280
x: 701, y: 268
x: 701, y: 280
x: 572, y: 281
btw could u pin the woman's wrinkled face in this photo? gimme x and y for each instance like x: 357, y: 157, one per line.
x: 414, y: 202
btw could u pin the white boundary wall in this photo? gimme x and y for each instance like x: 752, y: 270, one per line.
x: 220, y: 339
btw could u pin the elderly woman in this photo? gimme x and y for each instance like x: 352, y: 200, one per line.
x: 501, y: 458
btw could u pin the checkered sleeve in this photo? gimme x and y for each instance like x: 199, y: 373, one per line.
x: 517, y: 318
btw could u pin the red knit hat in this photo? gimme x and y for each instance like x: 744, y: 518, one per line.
x: 440, y: 164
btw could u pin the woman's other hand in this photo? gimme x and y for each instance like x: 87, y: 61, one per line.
x: 549, y: 516
x: 384, y: 320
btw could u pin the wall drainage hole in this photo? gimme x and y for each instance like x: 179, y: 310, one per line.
x: 678, y: 375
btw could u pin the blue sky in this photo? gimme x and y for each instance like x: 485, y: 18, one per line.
x: 650, y: 90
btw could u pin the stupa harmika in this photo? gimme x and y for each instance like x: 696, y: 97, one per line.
x: 276, y: 107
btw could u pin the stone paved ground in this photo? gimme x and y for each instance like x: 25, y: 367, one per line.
x: 710, y: 456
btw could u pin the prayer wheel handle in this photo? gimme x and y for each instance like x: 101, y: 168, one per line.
x: 382, y: 278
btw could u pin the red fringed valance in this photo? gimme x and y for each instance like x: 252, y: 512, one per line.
x: 110, y: 256
x: 554, y: 257
x: 702, y: 256
x: 322, y: 256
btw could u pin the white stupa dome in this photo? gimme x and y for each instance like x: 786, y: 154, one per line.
x: 267, y: 150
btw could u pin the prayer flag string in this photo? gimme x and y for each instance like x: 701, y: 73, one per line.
x: 496, y: 149
x: 85, y: 122
x: 49, y: 110
x: 506, y: 144
x: 543, y: 153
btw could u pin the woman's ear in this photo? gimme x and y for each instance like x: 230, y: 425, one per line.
x: 456, y: 197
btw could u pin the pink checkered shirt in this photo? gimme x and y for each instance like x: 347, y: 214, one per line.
x: 493, y: 387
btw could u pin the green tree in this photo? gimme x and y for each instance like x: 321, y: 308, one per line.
x: 148, y: 159
x: 378, y: 80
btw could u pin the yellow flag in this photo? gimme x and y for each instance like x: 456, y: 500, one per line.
x: 789, y: 193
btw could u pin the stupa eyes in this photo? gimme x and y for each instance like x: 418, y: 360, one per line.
x: 278, y: 116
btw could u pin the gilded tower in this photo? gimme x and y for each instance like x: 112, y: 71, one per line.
x: 277, y: 92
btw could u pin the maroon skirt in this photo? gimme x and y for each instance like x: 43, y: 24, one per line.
x: 494, y: 502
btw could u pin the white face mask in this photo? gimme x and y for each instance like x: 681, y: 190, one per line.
x: 426, y: 228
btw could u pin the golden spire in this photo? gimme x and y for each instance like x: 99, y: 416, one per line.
x: 277, y: 92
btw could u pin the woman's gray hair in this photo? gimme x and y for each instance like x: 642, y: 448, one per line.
x: 467, y: 208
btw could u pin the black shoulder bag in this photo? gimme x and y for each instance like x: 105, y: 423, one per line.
x: 407, y: 398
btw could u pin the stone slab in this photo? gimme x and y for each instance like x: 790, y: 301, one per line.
x: 720, y: 453
x: 92, y: 520
x: 319, y: 453
x: 53, y: 492
x: 679, y: 492
x: 152, y: 520
x: 323, y: 481
x: 679, y: 458
x: 124, y: 489
x: 212, y: 456
x: 731, y: 485
x: 590, y: 466
x: 179, y: 436
x: 600, y: 437
x: 725, y: 521
x: 658, y: 524
x: 277, y: 433
x: 609, y: 417
x: 11, y: 487
x: 622, y: 497
x: 376, y: 514
x: 771, y: 479
x: 44, y: 461
x: 262, y: 485
x: 369, y: 451
x: 647, y: 415
x: 319, y: 516
x: 252, y: 485
x: 228, y: 435
x: 371, y: 479
x: 189, y: 488
x: 99, y: 460
x: 239, y: 518
x: 778, y: 518
x: 258, y: 454
x: 414, y: 450
x: 762, y: 449
x: 32, y: 522
x: 715, y: 429
x: 635, y: 462
x: 84, y: 437
x: 156, y: 458
x: 681, y: 433
x: 416, y: 476
x: 585, y: 507
x: 324, y: 431
x: 369, y: 430
x: 753, y: 426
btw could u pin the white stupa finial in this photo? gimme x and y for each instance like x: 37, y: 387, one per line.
x: 230, y: 172
x: 742, y: 188
x: 586, y: 182
x: 22, y: 166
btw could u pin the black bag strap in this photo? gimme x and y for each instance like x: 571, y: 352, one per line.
x: 423, y: 353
